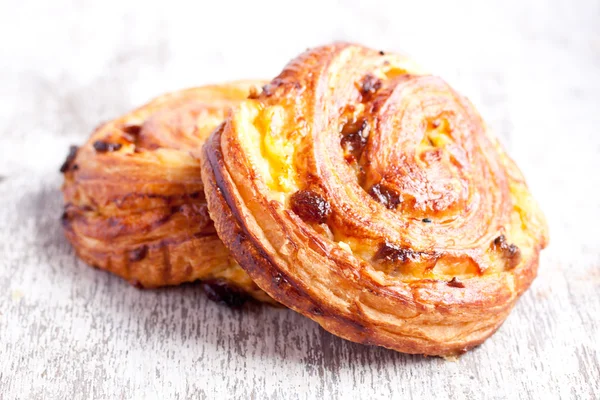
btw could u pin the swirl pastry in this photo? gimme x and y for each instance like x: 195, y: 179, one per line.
x: 134, y: 199
x: 370, y: 196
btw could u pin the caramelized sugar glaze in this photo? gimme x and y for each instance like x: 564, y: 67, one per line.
x: 370, y: 196
x: 134, y: 198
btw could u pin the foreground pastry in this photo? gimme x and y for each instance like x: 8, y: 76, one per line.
x: 370, y: 196
x: 134, y: 199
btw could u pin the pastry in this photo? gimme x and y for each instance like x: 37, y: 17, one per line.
x: 368, y: 195
x: 134, y: 199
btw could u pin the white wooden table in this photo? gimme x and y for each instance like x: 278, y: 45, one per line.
x: 68, y: 331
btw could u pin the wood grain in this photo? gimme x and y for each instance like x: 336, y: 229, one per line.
x: 69, y: 331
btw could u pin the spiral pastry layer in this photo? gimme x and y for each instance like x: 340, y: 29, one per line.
x: 134, y: 198
x: 368, y: 195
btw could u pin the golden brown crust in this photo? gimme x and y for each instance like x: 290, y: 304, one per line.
x: 134, y: 199
x: 369, y: 196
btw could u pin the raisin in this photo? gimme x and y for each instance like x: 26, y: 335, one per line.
x: 133, y: 130
x: 70, y: 157
x: 370, y: 85
x: 455, y: 283
x: 394, y: 253
x: 102, y: 147
x: 138, y: 254
x: 385, y: 196
x: 310, y: 206
x: 353, y: 140
x: 511, y: 252
x: 65, y: 218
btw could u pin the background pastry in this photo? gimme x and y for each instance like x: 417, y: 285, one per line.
x: 134, y: 199
x: 370, y: 196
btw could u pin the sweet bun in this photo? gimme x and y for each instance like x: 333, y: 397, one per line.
x: 368, y: 195
x: 134, y: 198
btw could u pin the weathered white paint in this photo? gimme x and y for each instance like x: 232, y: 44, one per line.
x: 68, y: 331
